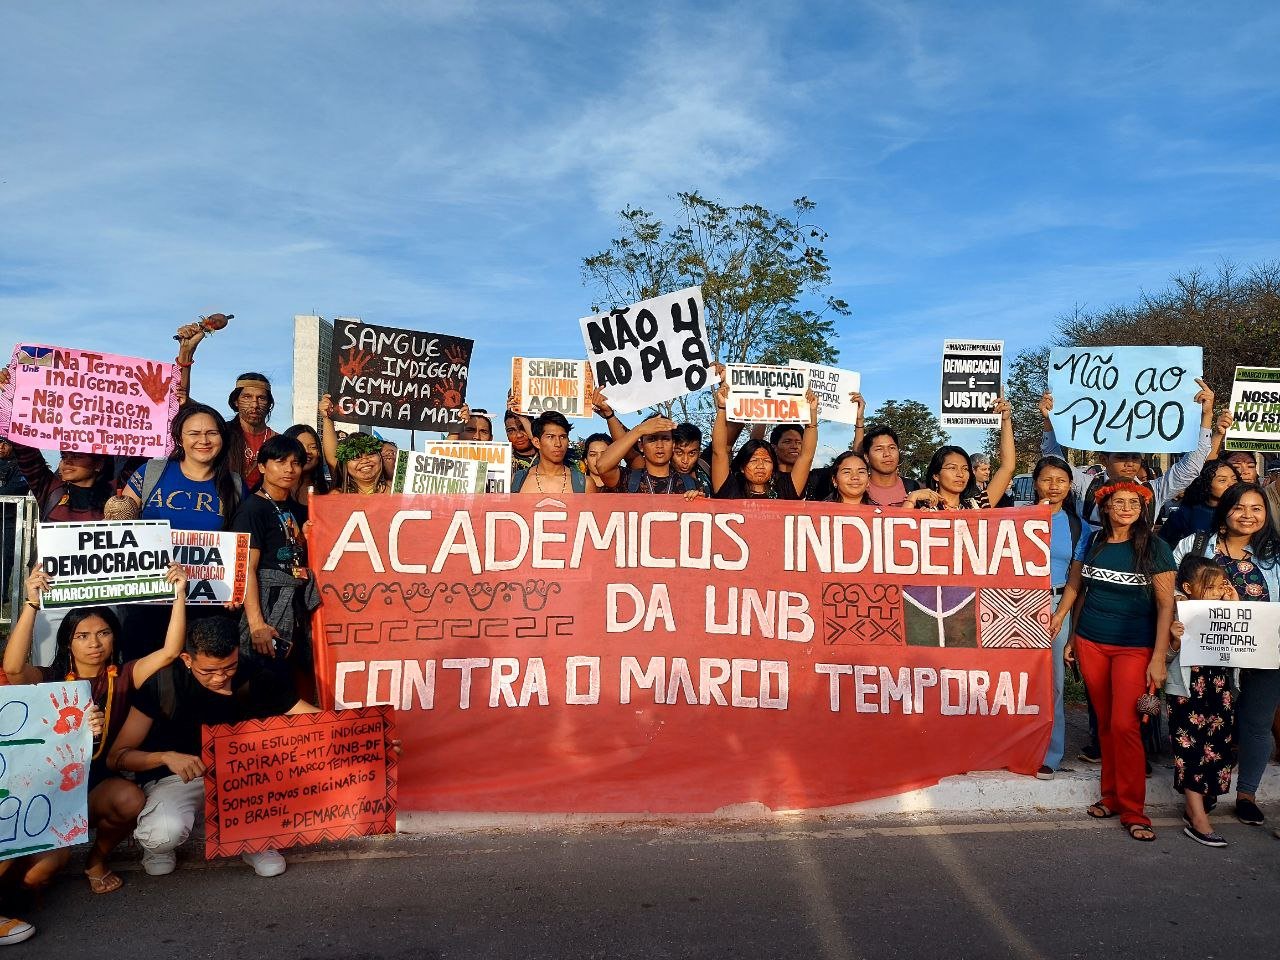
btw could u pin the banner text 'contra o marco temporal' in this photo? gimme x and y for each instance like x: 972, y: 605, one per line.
x: 639, y: 655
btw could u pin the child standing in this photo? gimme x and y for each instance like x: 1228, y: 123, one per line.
x: 1202, y: 708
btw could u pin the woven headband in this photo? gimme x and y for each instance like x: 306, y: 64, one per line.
x: 1124, y: 485
x: 358, y: 445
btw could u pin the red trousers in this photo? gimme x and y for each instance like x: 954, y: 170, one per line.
x: 1116, y: 677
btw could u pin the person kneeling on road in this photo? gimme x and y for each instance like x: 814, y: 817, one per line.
x: 160, y: 741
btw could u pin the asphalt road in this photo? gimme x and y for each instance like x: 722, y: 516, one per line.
x: 1068, y: 888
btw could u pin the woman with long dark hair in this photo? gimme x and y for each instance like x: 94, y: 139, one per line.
x: 1120, y: 593
x: 314, y: 479
x: 949, y: 480
x: 850, y: 477
x: 1245, y: 545
x: 88, y: 648
x: 196, y: 488
x: 1195, y: 512
x: 1051, y: 479
x: 752, y: 473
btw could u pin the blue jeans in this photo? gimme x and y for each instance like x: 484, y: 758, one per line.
x: 1058, y: 739
x: 1259, y: 697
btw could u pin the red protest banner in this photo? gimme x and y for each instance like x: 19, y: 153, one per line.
x: 640, y: 655
x: 293, y: 780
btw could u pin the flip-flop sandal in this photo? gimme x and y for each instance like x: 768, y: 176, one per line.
x: 1103, y: 812
x: 109, y: 882
x: 1135, y: 828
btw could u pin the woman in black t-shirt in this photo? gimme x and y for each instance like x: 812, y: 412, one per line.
x: 1121, y: 583
x: 753, y: 472
x: 280, y: 591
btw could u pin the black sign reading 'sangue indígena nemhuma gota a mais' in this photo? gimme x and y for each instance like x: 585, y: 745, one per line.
x: 389, y: 377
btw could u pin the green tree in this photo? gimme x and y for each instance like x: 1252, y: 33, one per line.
x: 759, y: 271
x: 1024, y: 385
x: 919, y: 433
x: 1235, y: 318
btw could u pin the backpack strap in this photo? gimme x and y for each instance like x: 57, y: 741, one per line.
x: 1198, y: 544
x: 1077, y: 527
x: 151, y: 477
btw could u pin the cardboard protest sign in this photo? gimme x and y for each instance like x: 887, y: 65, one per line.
x: 539, y: 385
x: 107, y: 561
x: 833, y: 386
x: 294, y: 780
x: 1229, y: 633
x: 1126, y: 399
x: 971, y: 372
x: 759, y: 393
x: 45, y: 750
x: 389, y: 377
x: 494, y: 454
x: 712, y: 653
x: 89, y: 401
x: 650, y: 352
x: 217, y: 564
x: 1255, y: 410
x: 418, y: 473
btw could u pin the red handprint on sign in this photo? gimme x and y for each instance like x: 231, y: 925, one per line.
x: 450, y: 394
x: 75, y: 828
x: 70, y: 713
x: 148, y: 376
x: 455, y: 354
x: 354, y: 363
x: 72, y: 770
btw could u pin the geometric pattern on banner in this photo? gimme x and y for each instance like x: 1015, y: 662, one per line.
x: 940, y: 616
x: 213, y: 846
x: 858, y: 613
x: 1015, y: 618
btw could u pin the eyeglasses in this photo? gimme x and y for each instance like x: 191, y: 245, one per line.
x: 211, y: 672
x: 1126, y: 504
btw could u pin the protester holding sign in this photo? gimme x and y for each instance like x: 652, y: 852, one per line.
x: 251, y: 401
x: 280, y: 593
x: 1123, y: 576
x: 656, y: 474
x: 950, y: 484
x: 753, y: 471
x: 1051, y: 479
x: 89, y: 648
x: 472, y: 425
x: 549, y: 473
x: 1125, y: 465
x: 161, y: 739
x: 1246, y: 547
x: 1202, y: 715
x: 356, y: 460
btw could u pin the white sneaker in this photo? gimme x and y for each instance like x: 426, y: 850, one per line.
x: 14, y: 931
x: 158, y: 864
x: 267, y: 863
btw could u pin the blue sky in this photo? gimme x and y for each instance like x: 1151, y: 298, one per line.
x: 981, y: 167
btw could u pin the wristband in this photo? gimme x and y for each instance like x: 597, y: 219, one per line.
x: 181, y: 364
x: 34, y: 605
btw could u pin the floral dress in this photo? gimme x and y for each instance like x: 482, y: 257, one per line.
x: 1203, y: 724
